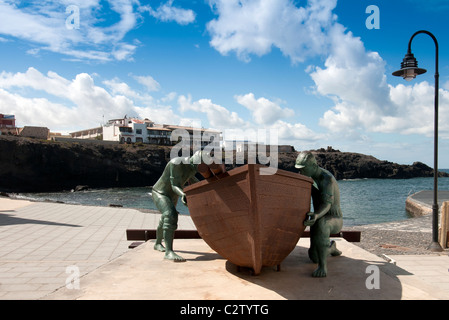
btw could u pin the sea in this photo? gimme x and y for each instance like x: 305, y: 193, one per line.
x: 363, y: 201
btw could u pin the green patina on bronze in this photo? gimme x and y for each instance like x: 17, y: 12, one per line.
x: 166, y: 193
x: 327, y: 217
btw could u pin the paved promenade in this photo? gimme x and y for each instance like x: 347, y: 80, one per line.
x: 40, y: 242
x: 44, y: 244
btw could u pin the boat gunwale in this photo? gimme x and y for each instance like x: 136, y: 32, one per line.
x: 242, y: 169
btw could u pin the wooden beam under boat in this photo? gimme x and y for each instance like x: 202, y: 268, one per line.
x: 148, y: 234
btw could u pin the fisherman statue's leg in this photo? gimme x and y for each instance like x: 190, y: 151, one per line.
x: 312, y: 251
x: 162, y: 203
x: 159, y: 236
x: 318, y: 252
x: 169, y: 227
x: 321, y: 244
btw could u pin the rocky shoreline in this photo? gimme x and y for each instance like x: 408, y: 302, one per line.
x: 30, y: 165
x: 406, y: 237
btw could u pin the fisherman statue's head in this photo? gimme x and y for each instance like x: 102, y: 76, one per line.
x: 306, y: 163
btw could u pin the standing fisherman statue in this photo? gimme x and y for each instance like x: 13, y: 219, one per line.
x: 327, y: 217
x: 166, y: 193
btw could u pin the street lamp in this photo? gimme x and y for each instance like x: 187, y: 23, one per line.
x: 409, y: 70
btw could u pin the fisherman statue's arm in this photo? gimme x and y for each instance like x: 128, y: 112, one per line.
x: 325, y: 204
x: 176, y: 178
x: 314, y: 216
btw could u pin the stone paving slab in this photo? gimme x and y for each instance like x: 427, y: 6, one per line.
x: 39, y: 241
x: 432, y: 269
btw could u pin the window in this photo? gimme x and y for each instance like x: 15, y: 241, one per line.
x: 126, y: 129
x: 138, y: 131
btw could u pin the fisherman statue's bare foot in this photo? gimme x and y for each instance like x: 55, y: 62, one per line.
x: 320, y: 272
x: 170, y: 255
x: 159, y: 247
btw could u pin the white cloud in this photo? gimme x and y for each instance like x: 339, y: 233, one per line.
x: 266, y: 115
x: 36, y: 111
x: 119, y: 87
x: 264, y: 111
x: 218, y: 116
x: 167, y: 12
x: 83, y: 103
x: 169, y: 97
x: 355, y: 80
x: 255, y: 26
x: 295, y: 133
x: 148, y: 82
x: 44, y: 23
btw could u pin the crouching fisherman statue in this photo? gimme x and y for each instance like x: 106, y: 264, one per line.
x: 327, y: 217
x: 166, y: 193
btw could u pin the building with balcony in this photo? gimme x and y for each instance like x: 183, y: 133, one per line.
x: 131, y: 130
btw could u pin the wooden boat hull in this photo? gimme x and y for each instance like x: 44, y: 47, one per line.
x: 252, y: 220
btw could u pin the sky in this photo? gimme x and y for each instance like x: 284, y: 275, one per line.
x: 317, y: 73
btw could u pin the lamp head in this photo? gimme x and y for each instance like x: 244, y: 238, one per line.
x: 409, y: 68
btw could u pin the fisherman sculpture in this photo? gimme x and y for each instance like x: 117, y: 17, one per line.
x: 166, y: 193
x: 327, y: 217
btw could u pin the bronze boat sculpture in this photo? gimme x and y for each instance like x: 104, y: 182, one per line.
x: 250, y: 219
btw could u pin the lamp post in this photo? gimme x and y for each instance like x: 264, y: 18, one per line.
x: 409, y: 70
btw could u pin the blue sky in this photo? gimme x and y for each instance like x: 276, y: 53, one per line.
x: 309, y: 70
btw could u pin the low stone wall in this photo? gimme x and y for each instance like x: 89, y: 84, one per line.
x: 417, y: 208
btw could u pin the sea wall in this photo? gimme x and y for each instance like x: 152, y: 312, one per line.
x: 420, y: 203
x: 416, y: 208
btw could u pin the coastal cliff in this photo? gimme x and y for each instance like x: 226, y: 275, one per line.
x: 29, y: 165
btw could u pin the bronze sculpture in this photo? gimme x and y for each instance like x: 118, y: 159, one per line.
x: 166, y: 193
x: 327, y: 217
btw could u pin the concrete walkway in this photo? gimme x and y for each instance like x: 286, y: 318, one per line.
x: 41, y: 242
x: 43, y: 245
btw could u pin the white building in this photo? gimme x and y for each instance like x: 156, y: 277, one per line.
x: 87, y: 134
x: 131, y: 130
x: 126, y: 130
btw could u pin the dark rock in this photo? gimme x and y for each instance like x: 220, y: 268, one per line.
x: 29, y: 165
x: 349, y: 165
